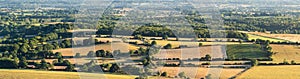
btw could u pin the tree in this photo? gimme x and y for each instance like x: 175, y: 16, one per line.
x: 48, y: 47
x: 77, y: 55
x: 91, y: 54
x: 44, y: 64
x: 207, y: 57
x: 100, y: 53
x: 23, y: 49
x: 164, y: 74
x: 8, y: 63
x: 165, y: 37
x: 140, y: 37
x: 168, y: 46
x: 114, y: 68
x: 285, y: 62
x: 58, y: 55
x: 254, y: 62
x: 70, y: 67
x: 181, y: 74
x: 23, y: 63
x: 200, y: 44
x: 153, y: 43
x: 208, y: 76
x: 293, y: 62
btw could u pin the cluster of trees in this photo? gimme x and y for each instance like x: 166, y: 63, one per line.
x: 92, y: 66
x: 274, y: 22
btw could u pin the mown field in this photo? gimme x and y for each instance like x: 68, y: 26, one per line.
x: 285, y: 52
x: 246, y: 51
x: 34, y: 74
x: 198, y: 72
x: 271, y: 72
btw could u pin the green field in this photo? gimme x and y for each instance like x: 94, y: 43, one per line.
x: 248, y: 51
x: 34, y: 74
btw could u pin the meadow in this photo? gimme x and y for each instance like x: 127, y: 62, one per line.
x: 271, y: 72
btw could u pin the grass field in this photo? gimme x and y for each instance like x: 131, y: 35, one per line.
x: 34, y: 74
x: 198, y: 72
x: 271, y: 72
x: 288, y: 52
x: 246, y: 51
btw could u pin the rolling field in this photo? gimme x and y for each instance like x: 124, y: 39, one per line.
x: 288, y: 52
x: 246, y: 51
x: 198, y: 72
x: 271, y: 72
x: 34, y: 74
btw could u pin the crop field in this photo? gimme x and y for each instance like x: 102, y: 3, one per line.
x: 198, y: 72
x: 123, y: 47
x: 185, y: 53
x: 246, y: 51
x: 271, y: 72
x: 288, y: 52
x: 34, y: 74
x: 289, y: 37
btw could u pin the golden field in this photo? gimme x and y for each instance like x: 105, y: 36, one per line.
x: 271, y: 72
x: 34, y: 74
x: 288, y: 52
x: 123, y: 47
x: 289, y: 37
x: 254, y: 36
x: 178, y: 43
x: 198, y: 72
x: 196, y: 52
